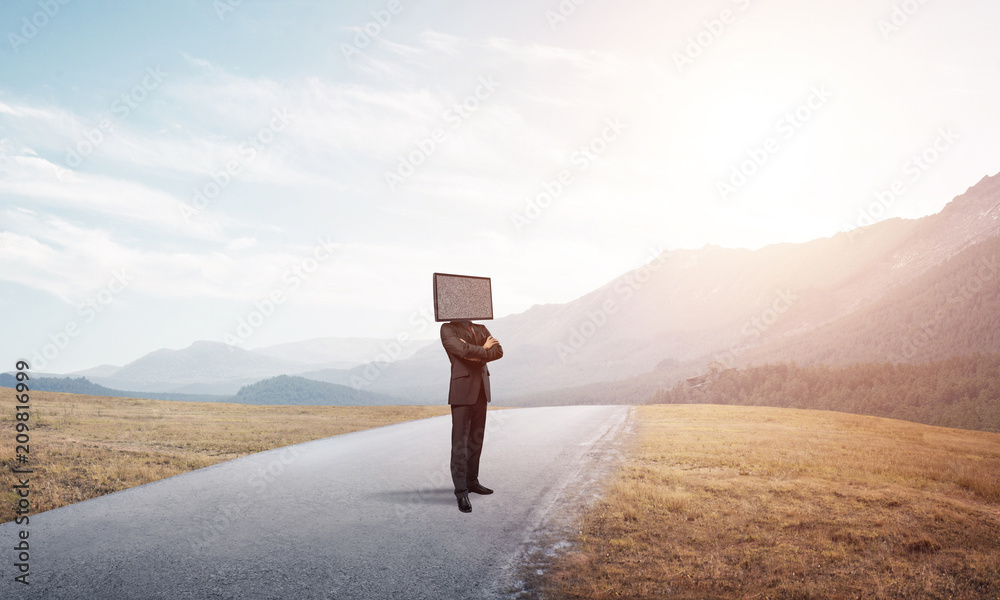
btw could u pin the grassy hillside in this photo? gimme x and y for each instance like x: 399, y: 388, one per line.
x: 728, y: 502
x: 958, y: 392
x: 82, y: 385
x: 286, y: 389
x: 283, y: 389
x: 87, y: 446
x: 949, y: 310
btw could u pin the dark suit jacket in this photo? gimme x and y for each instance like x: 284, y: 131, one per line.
x: 468, y: 360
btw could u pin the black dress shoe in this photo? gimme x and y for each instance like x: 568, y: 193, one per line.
x: 477, y: 488
x: 463, y: 503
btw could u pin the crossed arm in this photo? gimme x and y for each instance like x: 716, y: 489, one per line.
x: 457, y: 346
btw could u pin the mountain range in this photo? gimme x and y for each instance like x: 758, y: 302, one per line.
x: 207, y: 367
x: 281, y: 390
x: 898, y: 291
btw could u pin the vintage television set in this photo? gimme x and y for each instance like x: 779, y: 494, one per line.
x: 462, y: 297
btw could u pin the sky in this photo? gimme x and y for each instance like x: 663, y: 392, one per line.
x: 258, y: 172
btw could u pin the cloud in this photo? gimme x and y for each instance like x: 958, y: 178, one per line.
x: 442, y: 42
x: 57, y: 256
x: 242, y: 243
x: 27, y: 112
x: 71, y: 260
x: 535, y: 53
x: 25, y: 175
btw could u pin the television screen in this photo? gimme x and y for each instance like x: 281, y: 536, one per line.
x: 462, y: 297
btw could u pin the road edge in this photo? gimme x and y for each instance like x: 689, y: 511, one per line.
x: 554, y: 526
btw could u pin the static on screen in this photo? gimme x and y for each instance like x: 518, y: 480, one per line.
x: 462, y: 297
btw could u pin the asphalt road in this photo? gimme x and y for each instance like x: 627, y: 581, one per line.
x: 366, y: 515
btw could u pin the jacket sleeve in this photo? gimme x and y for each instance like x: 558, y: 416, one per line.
x: 495, y: 352
x: 453, y: 344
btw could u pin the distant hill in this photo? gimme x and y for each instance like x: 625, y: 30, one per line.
x: 959, y: 392
x: 81, y: 385
x: 223, y: 361
x: 202, y: 367
x: 216, y: 368
x: 953, y: 309
x: 423, y: 377
x: 98, y: 371
x: 284, y: 389
x: 632, y: 390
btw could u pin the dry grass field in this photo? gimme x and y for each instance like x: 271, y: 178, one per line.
x: 87, y: 446
x: 726, y: 502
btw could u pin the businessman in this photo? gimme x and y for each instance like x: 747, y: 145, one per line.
x: 469, y: 346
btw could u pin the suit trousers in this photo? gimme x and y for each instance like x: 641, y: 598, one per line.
x: 468, y: 428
